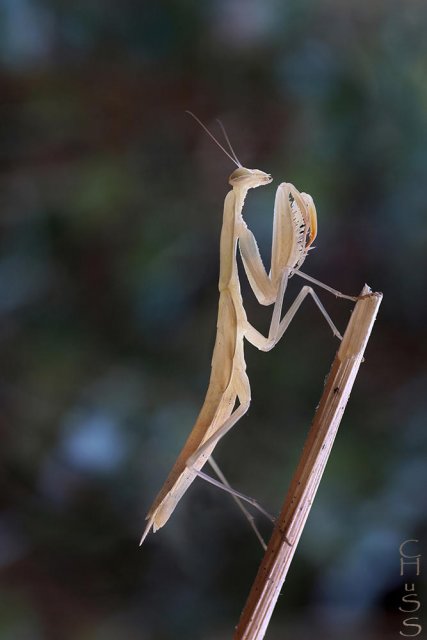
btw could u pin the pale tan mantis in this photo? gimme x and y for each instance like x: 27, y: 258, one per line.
x: 294, y: 229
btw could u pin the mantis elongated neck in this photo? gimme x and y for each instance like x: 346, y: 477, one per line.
x: 240, y: 194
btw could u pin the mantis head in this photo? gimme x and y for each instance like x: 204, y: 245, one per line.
x: 249, y: 178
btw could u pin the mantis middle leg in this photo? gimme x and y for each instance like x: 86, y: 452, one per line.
x: 278, y: 328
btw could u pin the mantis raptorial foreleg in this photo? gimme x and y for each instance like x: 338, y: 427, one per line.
x: 294, y: 229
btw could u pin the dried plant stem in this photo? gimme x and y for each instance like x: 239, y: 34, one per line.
x: 287, y: 532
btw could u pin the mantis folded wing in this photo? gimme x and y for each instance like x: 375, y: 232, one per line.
x: 294, y: 229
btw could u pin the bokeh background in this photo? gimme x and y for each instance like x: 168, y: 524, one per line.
x: 111, y: 205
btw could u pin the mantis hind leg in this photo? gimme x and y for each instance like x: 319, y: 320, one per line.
x: 249, y: 517
x: 240, y: 384
x: 240, y: 389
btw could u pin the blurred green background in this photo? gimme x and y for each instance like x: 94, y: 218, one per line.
x: 111, y: 206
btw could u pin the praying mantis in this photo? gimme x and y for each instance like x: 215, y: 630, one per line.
x: 294, y: 230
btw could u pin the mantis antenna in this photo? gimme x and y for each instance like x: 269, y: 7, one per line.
x: 233, y: 159
x: 228, y: 142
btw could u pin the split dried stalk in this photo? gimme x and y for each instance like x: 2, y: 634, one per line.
x: 290, y: 524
